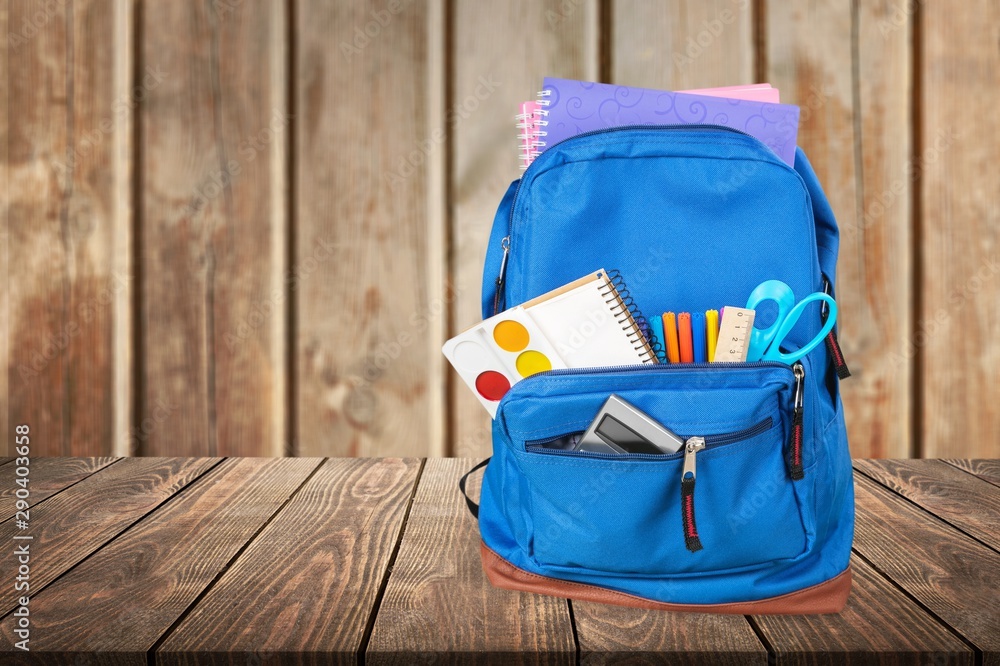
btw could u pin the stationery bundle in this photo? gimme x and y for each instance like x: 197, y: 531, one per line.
x: 697, y: 461
x: 567, y: 108
x: 589, y: 322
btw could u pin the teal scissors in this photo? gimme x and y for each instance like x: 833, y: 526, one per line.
x: 765, y: 344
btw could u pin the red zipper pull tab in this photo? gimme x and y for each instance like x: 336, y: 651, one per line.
x: 832, y: 346
x: 691, y: 448
x: 795, y: 469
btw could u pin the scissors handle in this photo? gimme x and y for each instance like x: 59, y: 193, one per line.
x: 781, y: 294
x: 765, y: 344
x: 774, y: 353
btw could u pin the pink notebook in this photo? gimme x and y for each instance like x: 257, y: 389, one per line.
x: 529, y: 133
x: 756, y: 92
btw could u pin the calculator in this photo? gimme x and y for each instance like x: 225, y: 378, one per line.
x: 622, y: 428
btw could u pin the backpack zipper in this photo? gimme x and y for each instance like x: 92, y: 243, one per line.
x: 711, y: 441
x: 832, y: 346
x: 691, y: 448
x: 795, y: 469
x: 641, y: 368
x: 505, y: 244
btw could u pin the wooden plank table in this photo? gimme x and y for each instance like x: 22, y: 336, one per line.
x: 362, y: 560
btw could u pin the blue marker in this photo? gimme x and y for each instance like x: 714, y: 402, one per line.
x: 698, y: 339
x: 656, y: 323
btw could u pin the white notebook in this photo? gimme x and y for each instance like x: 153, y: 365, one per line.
x: 591, y: 323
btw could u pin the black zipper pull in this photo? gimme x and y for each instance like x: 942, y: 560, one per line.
x: 691, y: 448
x: 795, y: 469
x: 832, y: 346
x: 505, y: 244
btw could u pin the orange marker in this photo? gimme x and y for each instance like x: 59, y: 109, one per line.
x: 670, y: 333
x: 684, y: 336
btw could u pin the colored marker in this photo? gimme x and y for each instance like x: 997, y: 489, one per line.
x: 656, y: 323
x: 684, y: 337
x: 698, y: 338
x: 712, y: 331
x: 670, y: 332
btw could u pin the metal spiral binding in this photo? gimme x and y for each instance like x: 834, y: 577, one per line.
x: 632, y: 321
x: 543, y: 101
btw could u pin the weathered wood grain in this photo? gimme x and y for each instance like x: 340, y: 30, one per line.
x: 959, y: 230
x: 810, y: 57
x: 8, y: 445
x: 502, y: 51
x: 368, y: 358
x: 46, y: 477
x: 613, y: 634
x: 160, y: 566
x: 680, y: 45
x: 984, y: 469
x: 117, y: 568
x: 951, y: 575
x: 875, y: 271
x: 879, y: 625
x: 213, y: 228
x: 440, y: 608
x: 4, y: 461
x: 67, y: 167
x: 304, y: 590
x: 967, y: 502
x: 71, y: 525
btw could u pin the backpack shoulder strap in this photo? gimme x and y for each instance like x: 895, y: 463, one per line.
x: 473, y: 507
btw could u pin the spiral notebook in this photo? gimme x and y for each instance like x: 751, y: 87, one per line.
x: 590, y: 322
x: 529, y: 133
x: 531, y: 126
x: 567, y: 108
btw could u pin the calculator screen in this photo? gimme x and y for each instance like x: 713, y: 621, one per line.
x: 613, y: 431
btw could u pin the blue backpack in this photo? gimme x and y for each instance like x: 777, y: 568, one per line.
x: 693, y: 217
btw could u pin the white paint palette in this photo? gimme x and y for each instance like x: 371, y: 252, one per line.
x: 497, y: 353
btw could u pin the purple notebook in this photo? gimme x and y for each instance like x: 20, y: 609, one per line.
x: 575, y: 107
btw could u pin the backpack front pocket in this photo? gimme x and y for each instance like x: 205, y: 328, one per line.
x: 727, y: 501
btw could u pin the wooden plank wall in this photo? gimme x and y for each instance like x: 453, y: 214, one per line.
x: 245, y: 227
x: 67, y: 174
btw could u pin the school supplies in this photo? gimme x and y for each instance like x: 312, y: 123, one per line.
x: 528, y: 132
x: 531, y: 126
x: 656, y: 324
x: 699, y: 340
x: 672, y: 342
x: 589, y: 322
x: 684, y: 336
x: 497, y: 353
x: 573, y: 107
x: 734, y: 335
x: 765, y: 343
x: 622, y: 428
x: 759, y: 92
x: 712, y: 332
